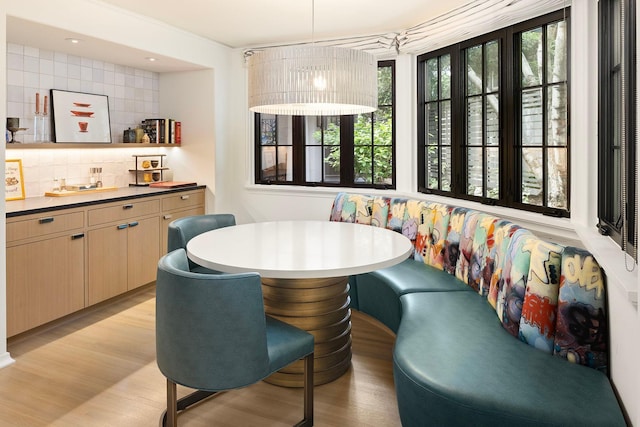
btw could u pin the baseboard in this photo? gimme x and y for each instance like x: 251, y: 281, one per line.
x: 6, y: 360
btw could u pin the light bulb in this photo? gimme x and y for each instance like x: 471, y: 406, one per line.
x: 320, y: 83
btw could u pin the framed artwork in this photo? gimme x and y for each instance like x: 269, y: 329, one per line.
x: 80, y: 117
x: 13, y: 181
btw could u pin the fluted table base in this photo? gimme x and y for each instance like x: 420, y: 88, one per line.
x: 321, y: 307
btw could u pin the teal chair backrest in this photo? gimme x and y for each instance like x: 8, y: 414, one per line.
x: 210, y: 329
x: 184, y: 229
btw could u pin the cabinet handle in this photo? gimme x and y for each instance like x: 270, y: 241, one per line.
x: 45, y: 220
x: 168, y: 216
x: 133, y: 224
x: 127, y: 206
x: 77, y: 236
x: 122, y: 226
x: 185, y: 197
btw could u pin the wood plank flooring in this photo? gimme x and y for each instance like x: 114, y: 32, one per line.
x: 99, y: 369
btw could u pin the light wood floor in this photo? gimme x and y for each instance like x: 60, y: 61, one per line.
x: 100, y: 370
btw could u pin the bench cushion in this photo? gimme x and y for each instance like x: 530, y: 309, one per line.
x: 378, y: 292
x: 454, y: 364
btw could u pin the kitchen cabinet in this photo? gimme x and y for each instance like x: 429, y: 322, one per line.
x: 179, y: 206
x: 64, y: 260
x: 45, y: 269
x: 122, y: 255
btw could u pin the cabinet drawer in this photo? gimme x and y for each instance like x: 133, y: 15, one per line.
x: 122, y: 211
x: 44, y: 224
x: 183, y: 200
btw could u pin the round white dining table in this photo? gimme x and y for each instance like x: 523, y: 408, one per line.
x: 305, y: 268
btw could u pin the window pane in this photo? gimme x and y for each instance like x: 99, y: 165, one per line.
x: 432, y: 124
x: 362, y: 134
x: 556, y: 52
x: 616, y: 199
x: 362, y: 167
x: 384, y: 86
x: 474, y: 70
x: 557, y: 177
x: 557, y: 113
x: 268, y: 170
x: 331, y: 167
x: 531, y: 117
x: 282, y: 157
x: 331, y: 128
x: 285, y: 163
x: 530, y: 45
x: 492, y: 67
x: 268, y: 127
x: 431, y: 79
x: 445, y: 77
x: 445, y: 170
x: 532, y: 190
x: 313, y: 130
x: 615, y: 40
x: 432, y: 177
x: 314, y: 162
x: 284, y: 130
x: 475, y: 175
x: 383, y: 165
x: 383, y: 147
x: 493, y: 120
x: 474, y: 121
x: 493, y: 172
x: 445, y: 122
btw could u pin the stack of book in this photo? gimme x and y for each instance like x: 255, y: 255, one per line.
x: 163, y: 131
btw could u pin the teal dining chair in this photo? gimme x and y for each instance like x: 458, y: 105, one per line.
x: 184, y: 229
x: 212, y: 335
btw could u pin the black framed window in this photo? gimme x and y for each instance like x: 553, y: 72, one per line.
x: 347, y: 151
x: 617, y: 194
x: 493, y: 117
x: 437, y: 123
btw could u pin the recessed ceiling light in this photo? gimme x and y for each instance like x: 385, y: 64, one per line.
x: 151, y: 59
x: 73, y: 40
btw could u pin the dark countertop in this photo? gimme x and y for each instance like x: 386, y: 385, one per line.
x: 42, y: 204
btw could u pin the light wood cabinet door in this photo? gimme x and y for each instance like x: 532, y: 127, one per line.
x: 143, y: 254
x: 45, y: 281
x: 107, y: 262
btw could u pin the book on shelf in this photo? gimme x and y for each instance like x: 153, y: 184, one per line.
x: 163, y: 131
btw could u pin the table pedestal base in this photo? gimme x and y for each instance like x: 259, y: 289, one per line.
x: 321, y: 307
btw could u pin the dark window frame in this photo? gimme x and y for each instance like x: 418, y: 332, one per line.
x: 347, y: 145
x: 608, y: 196
x: 510, y: 177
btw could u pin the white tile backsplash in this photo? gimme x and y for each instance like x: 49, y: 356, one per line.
x: 133, y: 96
x: 38, y: 70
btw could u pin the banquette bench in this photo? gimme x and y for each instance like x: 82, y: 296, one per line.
x: 494, y: 327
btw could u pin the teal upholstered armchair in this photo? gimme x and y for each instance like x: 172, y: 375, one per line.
x: 212, y: 334
x: 184, y: 229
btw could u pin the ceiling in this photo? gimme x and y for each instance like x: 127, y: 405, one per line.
x: 246, y: 24
x: 252, y: 23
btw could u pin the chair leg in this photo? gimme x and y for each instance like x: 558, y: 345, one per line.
x: 172, y: 404
x: 308, y: 392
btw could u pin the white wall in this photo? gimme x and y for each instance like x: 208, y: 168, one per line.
x: 5, y: 358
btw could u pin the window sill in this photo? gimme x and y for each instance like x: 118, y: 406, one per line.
x: 612, y: 260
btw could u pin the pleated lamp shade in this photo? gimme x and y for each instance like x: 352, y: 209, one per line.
x: 312, y: 81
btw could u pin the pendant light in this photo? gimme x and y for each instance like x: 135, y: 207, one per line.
x: 312, y: 80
